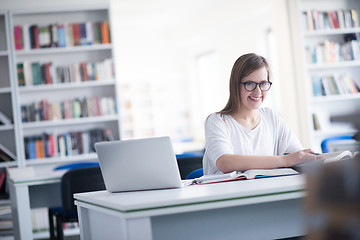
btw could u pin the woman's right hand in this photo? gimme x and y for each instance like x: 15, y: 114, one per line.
x: 299, y: 157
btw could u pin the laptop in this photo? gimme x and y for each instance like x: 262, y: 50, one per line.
x: 139, y: 164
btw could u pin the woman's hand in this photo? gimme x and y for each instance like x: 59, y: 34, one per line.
x: 300, y: 157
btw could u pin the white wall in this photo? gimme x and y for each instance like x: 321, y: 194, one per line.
x: 153, y: 45
x: 38, y: 4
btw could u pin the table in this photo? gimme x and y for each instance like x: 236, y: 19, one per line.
x: 266, y: 208
x: 31, y: 188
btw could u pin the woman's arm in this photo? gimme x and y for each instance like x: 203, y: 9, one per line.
x: 235, y: 162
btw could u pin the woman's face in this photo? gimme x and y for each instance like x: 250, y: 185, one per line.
x: 252, y: 100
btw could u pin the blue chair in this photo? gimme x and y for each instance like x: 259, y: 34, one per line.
x: 71, y: 166
x: 187, y: 164
x: 326, y: 141
x: 195, y: 174
x: 80, y: 177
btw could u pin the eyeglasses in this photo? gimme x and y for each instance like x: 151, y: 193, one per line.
x: 251, y: 86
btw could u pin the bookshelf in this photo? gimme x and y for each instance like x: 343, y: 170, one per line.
x: 7, y: 129
x: 330, y: 42
x: 64, y: 83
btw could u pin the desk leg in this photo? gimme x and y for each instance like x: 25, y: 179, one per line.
x: 96, y: 223
x: 21, y: 213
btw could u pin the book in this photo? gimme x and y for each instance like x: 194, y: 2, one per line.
x: 338, y: 156
x: 246, y: 175
x: 327, y: 158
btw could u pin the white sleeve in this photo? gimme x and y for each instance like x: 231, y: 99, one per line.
x: 217, y: 140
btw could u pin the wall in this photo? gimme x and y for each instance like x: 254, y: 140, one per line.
x: 153, y: 44
x: 37, y: 4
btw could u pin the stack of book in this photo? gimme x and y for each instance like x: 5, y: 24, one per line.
x: 61, y: 35
x: 67, y: 144
x: 36, y: 73
x: 68, y: 109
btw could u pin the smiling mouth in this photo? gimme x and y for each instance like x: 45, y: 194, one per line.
x: 255, y: 98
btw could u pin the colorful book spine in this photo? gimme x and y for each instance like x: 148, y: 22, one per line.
x: 48, y: 145
x: 334, y: 84
x: 18, y: 37
x: 324, y: 20
x: 61, y: 35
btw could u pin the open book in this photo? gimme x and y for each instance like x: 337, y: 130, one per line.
x: 249, y: 174
x: 328, y: 157
x: 336, y: 156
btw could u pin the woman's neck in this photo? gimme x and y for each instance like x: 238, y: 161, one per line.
x: 248, y: 119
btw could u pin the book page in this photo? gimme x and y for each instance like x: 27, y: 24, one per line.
x: 249, y: 174
x: 253, y: 173
x: 336, y: 156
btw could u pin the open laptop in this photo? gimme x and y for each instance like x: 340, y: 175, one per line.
x: 139, y: 164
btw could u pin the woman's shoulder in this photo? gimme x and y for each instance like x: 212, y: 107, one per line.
x: 269, y: 113
x: 216, y: 117
x: 267, y: 110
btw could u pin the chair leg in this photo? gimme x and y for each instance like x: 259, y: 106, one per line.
x: 51, y: 224
x: 59, y: 227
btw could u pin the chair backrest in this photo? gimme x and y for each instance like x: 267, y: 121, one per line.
x: 188, y: 164
x: 77, y: 181
x: 325, y: 143
x: 195, y: 174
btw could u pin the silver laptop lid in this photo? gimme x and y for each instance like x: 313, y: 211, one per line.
x: 138, y: 164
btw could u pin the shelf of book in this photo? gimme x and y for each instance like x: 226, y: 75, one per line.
x: 64, y: 50
x: 319, y: 66
x: 328, y: 32
x: 64, y: 86
x: 335, y: 98
x: 330, y: 43
x: 61, y: 160
x: 69, y: 122
x: 64, y: 81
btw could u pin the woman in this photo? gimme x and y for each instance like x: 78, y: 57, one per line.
x: 244, y: 136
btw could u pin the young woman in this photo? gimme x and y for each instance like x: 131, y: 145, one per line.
x: 245, y: 136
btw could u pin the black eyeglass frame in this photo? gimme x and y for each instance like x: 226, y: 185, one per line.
x: 261, y: 85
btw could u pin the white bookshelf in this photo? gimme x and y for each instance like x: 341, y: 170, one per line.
x: 7, y: 132
x: 325, y: 107
x: 58, y: 93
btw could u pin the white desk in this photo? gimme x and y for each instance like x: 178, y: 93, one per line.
x: 252, y: 209
x: 31, y: 190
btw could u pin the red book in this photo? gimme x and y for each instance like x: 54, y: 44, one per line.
x: 52, y: 145
x: 334, y: 19
x: 83, y: 72
x: 76, y: 34
x: 48, y: 77
x: 18, y: 37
